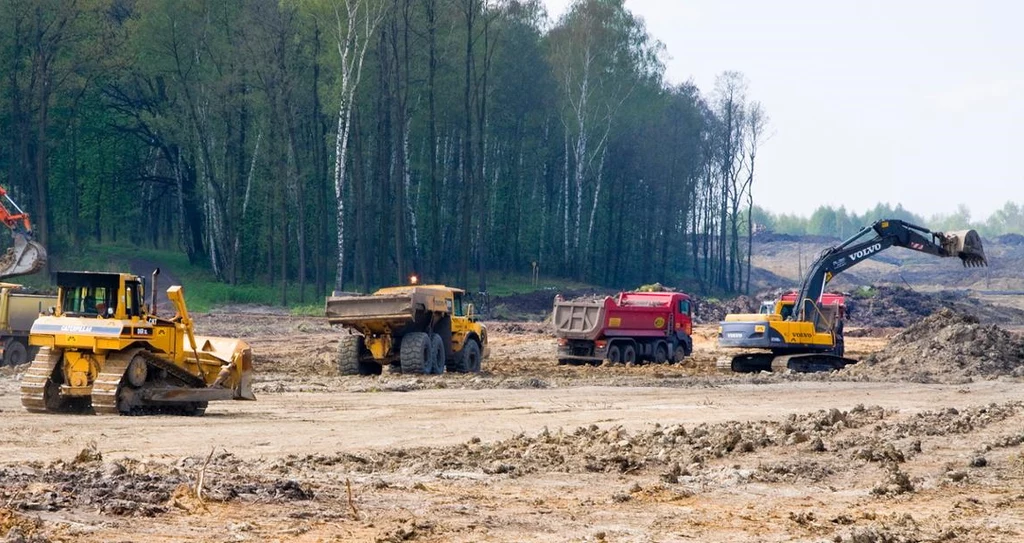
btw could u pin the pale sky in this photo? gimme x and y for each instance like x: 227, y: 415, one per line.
x: 919, y: 102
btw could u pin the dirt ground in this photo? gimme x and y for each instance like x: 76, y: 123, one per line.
x: 528, y: 451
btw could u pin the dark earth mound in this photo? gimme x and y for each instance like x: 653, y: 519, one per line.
x: 946, y: 347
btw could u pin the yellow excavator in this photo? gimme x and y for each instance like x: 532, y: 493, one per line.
x: 806, y: 335
x: 26, y: 256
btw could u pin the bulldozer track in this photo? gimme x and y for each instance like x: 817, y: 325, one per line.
x: 35, y: 379
x: 106, y: 390
x: 108, y: 383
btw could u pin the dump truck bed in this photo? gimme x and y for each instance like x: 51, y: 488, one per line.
x: 638, y: 315
x: 23, y: 309
x: 391, y: 307
x: 352, y: 310
x: 580, y: 319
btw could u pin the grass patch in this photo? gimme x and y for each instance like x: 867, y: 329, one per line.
x: 203, y: 291
x: 509, y: 284
x: 865, y: 292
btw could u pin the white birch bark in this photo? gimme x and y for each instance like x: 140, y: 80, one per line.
x: 248, y: 191
x: 354, y: 34
x: 565, y: 202
x: 597, y: 195
x: 407, y: 182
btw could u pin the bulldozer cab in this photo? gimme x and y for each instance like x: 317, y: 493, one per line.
x: 107, y: 295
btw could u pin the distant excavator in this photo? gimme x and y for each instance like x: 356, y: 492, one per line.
x: 27, y: 256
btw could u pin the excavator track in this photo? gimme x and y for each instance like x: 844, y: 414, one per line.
x: 810, y: 363
x: 39, y: 393
x: 746, y: 363
x: 111, y: 396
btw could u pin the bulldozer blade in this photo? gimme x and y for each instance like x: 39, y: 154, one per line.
x: 26, y: 257
x: 966, y: 244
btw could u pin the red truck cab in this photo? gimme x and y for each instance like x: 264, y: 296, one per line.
x: 788, y: 301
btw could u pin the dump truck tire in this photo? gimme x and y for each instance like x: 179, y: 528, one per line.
x: 629, y: 354
x: 660, y: 354
x: 614, y: 354
x: 437, y: 344
x: 679, y: 356
x: 348, y: 355
x: 416, y: 356
x: 468, y: 360
x: 350, y: 350
x: 15, y: 353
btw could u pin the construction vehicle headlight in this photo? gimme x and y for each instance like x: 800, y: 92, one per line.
x: 759, y: 329
x: 719, y: 330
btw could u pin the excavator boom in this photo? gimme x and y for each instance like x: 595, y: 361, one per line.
x: 964, y: 244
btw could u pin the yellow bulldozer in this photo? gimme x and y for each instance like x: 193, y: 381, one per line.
x: 103, y: 349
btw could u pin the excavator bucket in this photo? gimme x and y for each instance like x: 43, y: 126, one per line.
x: 966, y: 244
x: 24, y: 258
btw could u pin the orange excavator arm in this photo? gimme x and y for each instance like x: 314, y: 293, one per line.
x: 27, y: 256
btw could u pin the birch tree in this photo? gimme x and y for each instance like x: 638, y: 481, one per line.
x: 356, y: 22
x: 599, y: 53
x: 757, y: 121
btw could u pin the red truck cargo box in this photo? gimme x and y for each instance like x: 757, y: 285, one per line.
x: 630, y: 314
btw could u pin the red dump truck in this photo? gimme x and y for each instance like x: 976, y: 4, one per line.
x: 627, y: 328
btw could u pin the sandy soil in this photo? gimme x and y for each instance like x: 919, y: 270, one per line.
x: 526, y: 451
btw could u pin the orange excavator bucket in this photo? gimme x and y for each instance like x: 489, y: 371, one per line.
x: 966, y: 244
x: 25, y: 257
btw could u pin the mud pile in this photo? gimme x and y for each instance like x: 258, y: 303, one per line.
x: 946, y: 347
x: 817, y: 445
x: 133, y: 488
x: 891, y: 307
x: 710, y: 310
x: 535, y: 305
x: 593, y: 449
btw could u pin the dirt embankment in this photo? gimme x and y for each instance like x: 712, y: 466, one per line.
x: 548, y: 452
x: 866, y: 474
x: 946, y: 347
x: 535, y: 306
x: 898, y: 307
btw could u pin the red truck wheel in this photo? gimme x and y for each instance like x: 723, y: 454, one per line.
x: 629, y: 354
x: 614, y: 354
x: 660, y: 354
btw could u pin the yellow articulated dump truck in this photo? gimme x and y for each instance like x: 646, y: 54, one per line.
x: 104, y: 350
x: 18, y: 310
x: 421, y: 329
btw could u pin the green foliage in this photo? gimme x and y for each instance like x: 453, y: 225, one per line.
x: 202, y: 289
x: 839, y: 223
x: 484, y: 137
x: 865, y: 292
